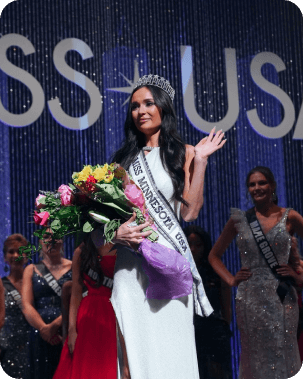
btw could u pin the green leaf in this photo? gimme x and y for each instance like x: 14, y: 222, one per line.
x: 87, y: 227
x: 42, y: 200
x: 110, y: 229
x: 55, y: 225
x: 99, y: 217
x: 72, y: 186
x: 121, y: 211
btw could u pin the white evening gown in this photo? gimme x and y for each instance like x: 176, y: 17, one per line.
x: 159, y: 334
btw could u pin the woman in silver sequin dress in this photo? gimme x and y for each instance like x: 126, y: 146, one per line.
x: 15, y: 332
x: 268, y: 326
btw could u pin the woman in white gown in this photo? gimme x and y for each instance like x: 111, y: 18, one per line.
x: 156, y: 335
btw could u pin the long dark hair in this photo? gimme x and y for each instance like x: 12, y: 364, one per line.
x: 172, y: 147
x: 269, y: 177
x: 90, y: 259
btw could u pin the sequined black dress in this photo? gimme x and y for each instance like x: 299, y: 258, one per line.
x: 267, y: 327
x: 43, y: 358
x: 13, y: 336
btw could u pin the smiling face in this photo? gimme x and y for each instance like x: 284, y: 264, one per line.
x: 12, y: 253
x: 145, y: 113
x: 260, y: 189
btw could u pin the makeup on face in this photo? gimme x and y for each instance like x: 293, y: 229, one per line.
x: 145, y: 113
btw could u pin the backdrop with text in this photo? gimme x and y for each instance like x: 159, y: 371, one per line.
x: 67, y: 69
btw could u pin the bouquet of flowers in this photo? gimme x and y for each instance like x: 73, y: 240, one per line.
x: 101, y: 194
x: 105, y: 195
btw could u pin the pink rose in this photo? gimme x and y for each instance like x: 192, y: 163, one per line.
x: 66, y: 195
x: 37, y: 202
x: 41, y: 218
x: 135, y: 195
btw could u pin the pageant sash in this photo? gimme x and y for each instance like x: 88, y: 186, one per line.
x: 49, y: 278
x: 267, y: 253
x: 168, y: 226
x: 107, y: 282
x: 12, y: 292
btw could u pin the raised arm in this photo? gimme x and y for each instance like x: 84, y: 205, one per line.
x: 228, y: 234
x: 75, y: 300
x: 194, y: 168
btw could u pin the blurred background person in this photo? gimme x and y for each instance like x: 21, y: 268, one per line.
x: 15, y: 332
x: 41, y: 297
x: 212, y: 333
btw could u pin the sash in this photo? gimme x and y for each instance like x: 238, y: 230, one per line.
x: 50, y: 280
x: 107, y: 282
x: 168, y: 226
x: 12, y: 292
x: 285, y: 283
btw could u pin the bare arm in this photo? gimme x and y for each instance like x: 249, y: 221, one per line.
x: 30, y: 313
x: 75, y: 300
x: 2, y: 305
x: 296, y: 221
x: 194, y: 168
x: 47, y: 331
x: 228, y: 234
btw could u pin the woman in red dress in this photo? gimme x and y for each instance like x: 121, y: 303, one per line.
x: 90, y: 350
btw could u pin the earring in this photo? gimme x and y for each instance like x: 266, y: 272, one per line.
x: 6, y: 268
x: 274, y: 197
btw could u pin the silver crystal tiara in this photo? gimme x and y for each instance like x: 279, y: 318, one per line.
x: 158, y: 81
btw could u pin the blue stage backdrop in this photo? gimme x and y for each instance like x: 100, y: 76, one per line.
x: 68, y: 67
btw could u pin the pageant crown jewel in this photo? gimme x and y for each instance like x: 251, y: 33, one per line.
x: 158, y: 81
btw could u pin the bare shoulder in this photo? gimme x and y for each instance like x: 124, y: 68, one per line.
x: 28, y: 271
x: 292, y: 214
x: 294, y: 217
x: 77, y: 253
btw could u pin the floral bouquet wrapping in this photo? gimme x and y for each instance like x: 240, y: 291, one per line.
x: 105, y: 196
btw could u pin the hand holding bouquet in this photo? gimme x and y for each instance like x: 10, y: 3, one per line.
x: 101, y: 194
x: 105, y: 195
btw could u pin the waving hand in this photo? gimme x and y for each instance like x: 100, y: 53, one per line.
x: 210, y: 144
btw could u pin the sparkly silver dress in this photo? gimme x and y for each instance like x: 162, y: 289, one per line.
x: 267, y: 327
x: 13, y: 337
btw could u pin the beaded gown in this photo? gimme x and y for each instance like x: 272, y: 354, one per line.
x: 95, y: 353
x: 13, y: 337
x: 43, y: 358
x: 159, y: 334
x: 268, y: 328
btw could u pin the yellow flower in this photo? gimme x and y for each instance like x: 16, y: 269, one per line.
x: 100, y: 172
x: 109, y: 178
x: 84, y: 174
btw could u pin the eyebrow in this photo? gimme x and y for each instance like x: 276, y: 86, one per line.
x: 145, y: 100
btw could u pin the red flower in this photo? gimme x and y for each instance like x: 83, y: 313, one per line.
x: 41, y: 218
x: 91, y: 179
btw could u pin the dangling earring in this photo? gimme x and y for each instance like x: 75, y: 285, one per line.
x: 274, y: 197
x: 6, y: 268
